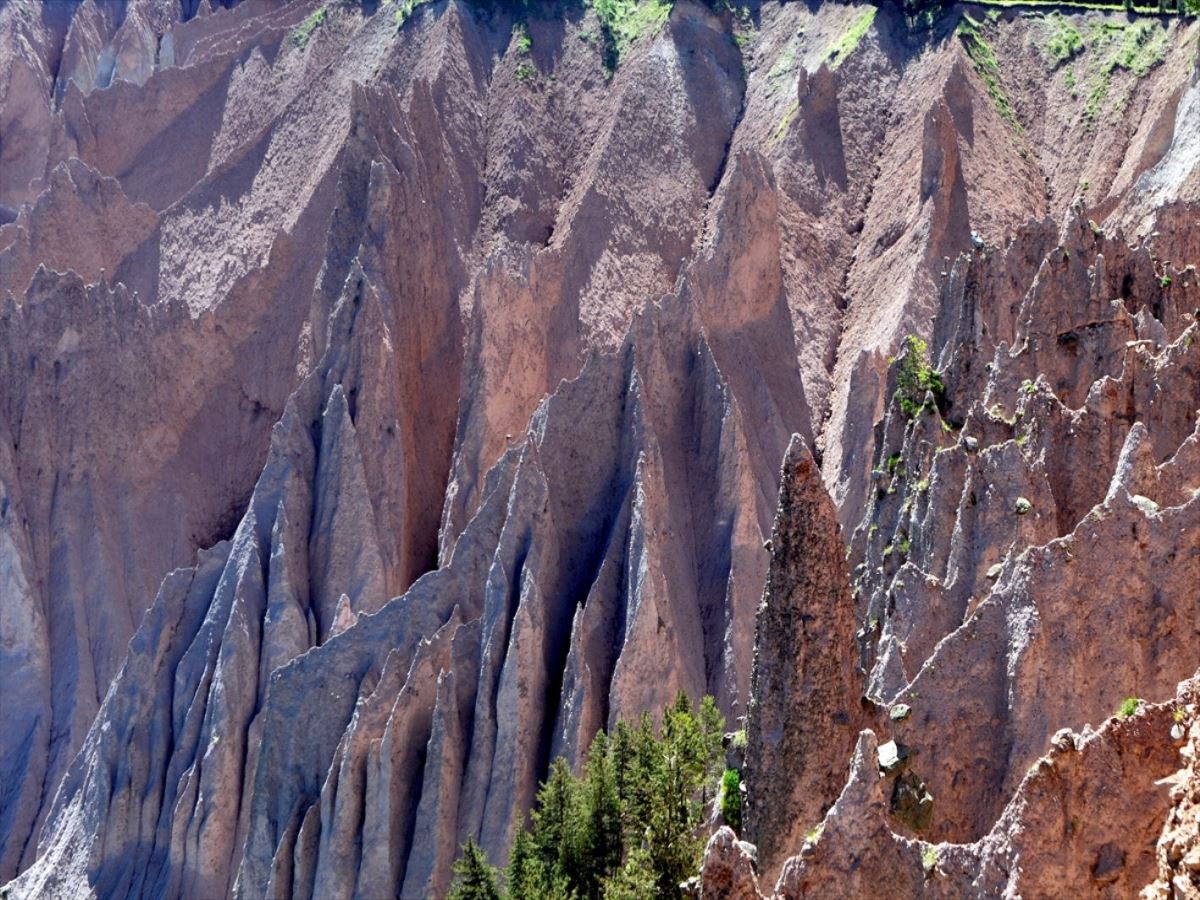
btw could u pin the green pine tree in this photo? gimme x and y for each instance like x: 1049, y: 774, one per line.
x: 629, y: 827
x: 601, y: 839
x: 556, y: 820
x: 682, y: 735
x: 712, y: 730
x: 712, y: 737
x: 623, y: 758
x: 675, y: 814
x: 633, y: 881
x: 643, y: 763
x: 474, y: 879
x: 526, y: 877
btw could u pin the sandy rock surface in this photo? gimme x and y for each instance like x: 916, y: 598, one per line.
x: 387, y: 405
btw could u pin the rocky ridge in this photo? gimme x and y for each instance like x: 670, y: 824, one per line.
x: 998, y: 626
x: 471, y: 387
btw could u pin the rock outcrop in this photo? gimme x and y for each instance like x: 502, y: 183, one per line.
x: 1029, y: 558
x: 1178, y: 852
x: 729, y: 869
x: 395, y: 394
x: 805, y: 693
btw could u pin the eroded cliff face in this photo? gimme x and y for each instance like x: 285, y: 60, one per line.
x: 390, y: 403
x: 1028, y: 562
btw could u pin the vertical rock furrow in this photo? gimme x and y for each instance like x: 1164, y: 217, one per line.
x: 805, y: 693
x: 468, y: 338
x: 994, y: 636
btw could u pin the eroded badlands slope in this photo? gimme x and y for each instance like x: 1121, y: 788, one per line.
x: 388, y: 407
x: 1029, y: 559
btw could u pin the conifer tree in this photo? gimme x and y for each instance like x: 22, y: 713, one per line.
x: 601, y: 842
x: 674, y: 816
x: 555, y: 819
x: 712, y: 734
x: 474, y: 879
x: 525, y: 872
x: 628, y: 827
x: 622, y: 757
x: 643, y: 762
x: 633, y: 881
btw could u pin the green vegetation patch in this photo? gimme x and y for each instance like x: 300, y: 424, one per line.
x: 924, y: 19
x: 988, y: 68
x: 305, y: 29
x: 1082, y: 5
x: 522, y: 42
x: 929, y: 860
x: 1143, y: 46
x: 784, y: 123
x: 848, y: 42
x: 915, y: 378
x: 1096, y: 97
x: 1128, y: 707
x: 1137, y: 48
x: 626, y: 21
x: 731, y: 799
x: 1065, y: 41
x: 628, y: 828
x: 406, y: 8
x: 474, y: 879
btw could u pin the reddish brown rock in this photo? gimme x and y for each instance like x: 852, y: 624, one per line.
x: 728, y: 871
x: 805, y: 691
x: 1178, y: 851
x: 386, y: 406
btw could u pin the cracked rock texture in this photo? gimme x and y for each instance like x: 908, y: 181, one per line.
x: 387, y: 406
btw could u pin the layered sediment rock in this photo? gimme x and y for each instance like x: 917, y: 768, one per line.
x: 805, y: 696
x: 390, y: 402
x: 1029, y: 559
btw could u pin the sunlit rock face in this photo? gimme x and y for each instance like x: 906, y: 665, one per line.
x: 389, y: 403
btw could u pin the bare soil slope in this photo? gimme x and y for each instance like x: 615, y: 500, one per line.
x: 392, y: 399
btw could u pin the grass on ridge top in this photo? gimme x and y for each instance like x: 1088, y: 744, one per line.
x: 848, y: 42
x: 1111, y: 44
x: 304, y: 31
x: 984, y: 59
x: 837, y: 54
x: 625, y: 21
x: 1065, y: 42
x: 406, y: 9
x: 1143, y: 46
x: 1071, y: 4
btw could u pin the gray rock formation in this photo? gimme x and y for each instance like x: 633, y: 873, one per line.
x: 389, y: 404
x: 728, y: 869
